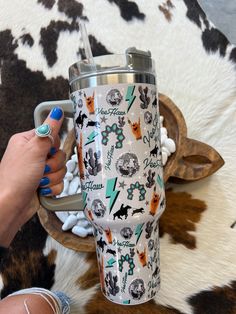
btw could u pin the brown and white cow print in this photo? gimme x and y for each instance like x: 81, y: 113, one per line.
x: 195, y: 64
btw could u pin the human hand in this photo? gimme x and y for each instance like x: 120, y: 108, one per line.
x: 25, y: 166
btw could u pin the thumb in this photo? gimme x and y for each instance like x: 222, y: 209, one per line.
x: 55, y: 119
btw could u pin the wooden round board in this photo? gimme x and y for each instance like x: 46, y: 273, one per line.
x: 192, y: 160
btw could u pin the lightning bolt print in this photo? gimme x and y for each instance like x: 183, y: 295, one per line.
x: 111, y: 192
x: 110, y: 262
x: 138, y: 231
x: 84, y: 197
x: 130, y: 97
x: 160, y: 181
x: 91, y: 137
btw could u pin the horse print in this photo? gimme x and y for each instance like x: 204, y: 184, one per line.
x: 80, y: 119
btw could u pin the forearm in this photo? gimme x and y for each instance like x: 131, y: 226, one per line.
x: 13, y: 216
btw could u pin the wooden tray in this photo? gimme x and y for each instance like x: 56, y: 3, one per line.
x: 193, y: 160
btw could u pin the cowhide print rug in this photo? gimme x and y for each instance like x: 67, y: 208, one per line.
x: 196, y: 68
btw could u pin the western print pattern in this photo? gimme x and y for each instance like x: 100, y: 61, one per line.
x: 121, y: 171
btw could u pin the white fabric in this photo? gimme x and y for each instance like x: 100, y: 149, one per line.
x: 52, y: 299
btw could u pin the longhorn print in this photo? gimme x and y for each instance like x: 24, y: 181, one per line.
x: 89, y: 101
x: 154, y: 202
x: 108, y: 235
x: 136, y: 129
x: 142, y: 257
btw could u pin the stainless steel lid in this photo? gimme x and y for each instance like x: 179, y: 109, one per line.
x: 133, y: 61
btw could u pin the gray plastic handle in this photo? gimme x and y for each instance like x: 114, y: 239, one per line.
x: 72, y: 202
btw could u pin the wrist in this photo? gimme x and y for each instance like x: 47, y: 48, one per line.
x: 9, y: 217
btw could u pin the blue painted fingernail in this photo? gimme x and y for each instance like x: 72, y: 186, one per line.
x: 44, y: 181
x: 45, y: 191
x: 47, y: 169
x: 56, y: 113
x: 52, y: 151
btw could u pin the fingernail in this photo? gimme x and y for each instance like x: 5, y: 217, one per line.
x: 52, y: 151
x: 44, y: 181
x: 47, y: 169
x: 45, y: 191
x: 56, y: 113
